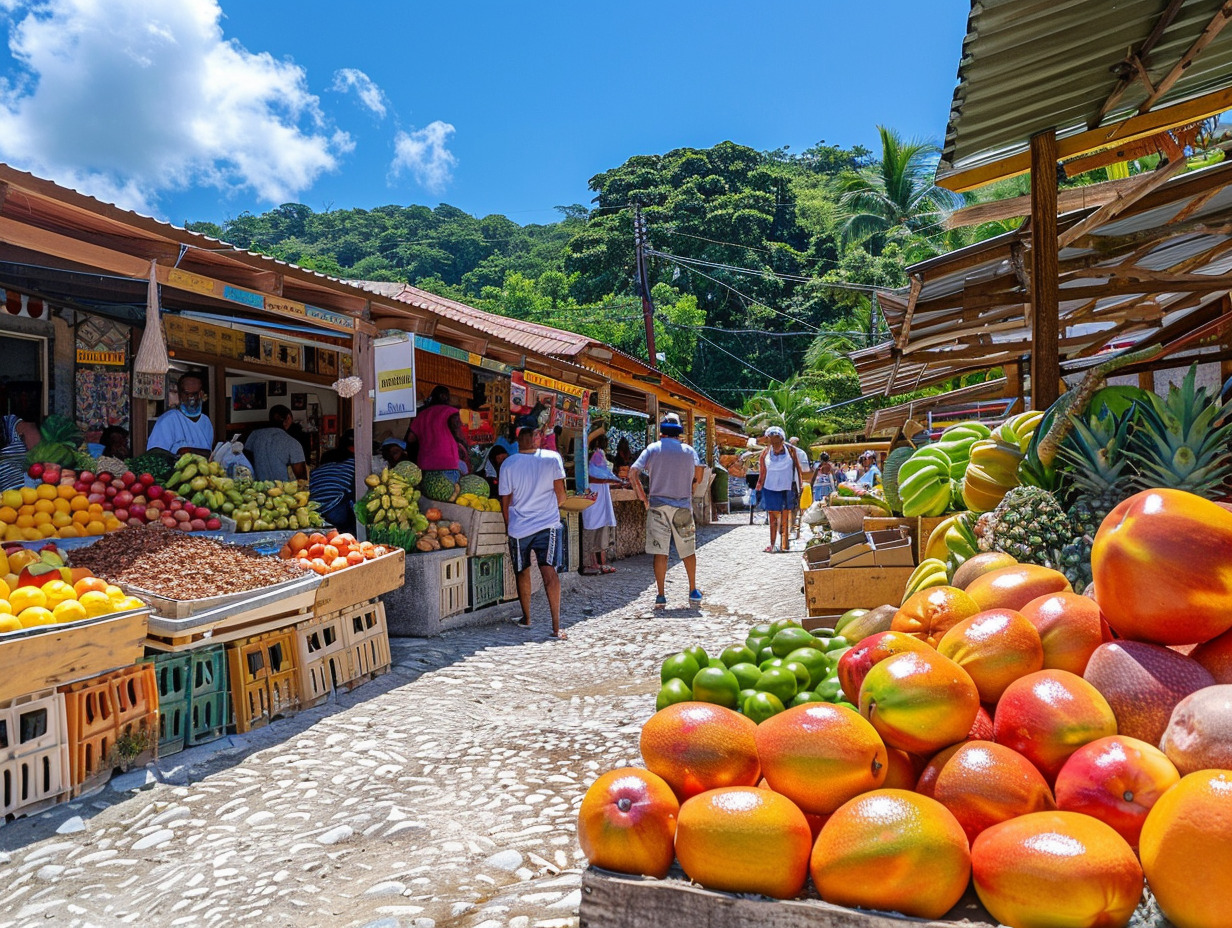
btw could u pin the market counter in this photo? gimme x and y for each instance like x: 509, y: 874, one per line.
x: 629, y: 539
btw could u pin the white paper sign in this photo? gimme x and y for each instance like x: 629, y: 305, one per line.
x: 394, y: 359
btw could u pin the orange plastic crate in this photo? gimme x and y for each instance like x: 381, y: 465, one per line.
x: 264, y: 681
x: 112, y: 723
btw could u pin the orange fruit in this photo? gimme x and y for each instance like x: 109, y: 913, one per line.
x: 1186, y: 850
x: 44, y: 506
x: 79, y: 504
x: 86, y: 584
x: 894, y: 850
x: 25, y: 521
x: 62, y: 520
x: 820, y: 755
x: 919, y: 701
x: 70, y: 531
x: 95, y: 527
x: 81, y: 517
x: 8, y: 514
x: 983, y: 783
x: 741, y: 839
x: 45, y: 491
x: 5, y: 589
x: 627, y: 822
x: 995, y: 647
x: 9, y: 623
x: 66, y: 491
x: 1117, y: 780
x: 931, y: 613
x: 697, y: 746
x: 1047, y: 716
x: 1056, y: 868
x: 28, y: 496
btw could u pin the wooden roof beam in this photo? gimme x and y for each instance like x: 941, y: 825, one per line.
x: 1133, y: 68
x: 1124, y: 199
x: 1205, y: 38
x: 917, y: 282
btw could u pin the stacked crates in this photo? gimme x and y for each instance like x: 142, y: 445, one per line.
x: 324, y: 662
x: 34, y: 757
x: 264, y: 680
x: 453, y: 585
x: 112, y: 723
x: 366, y: 635
x: 171, y: 673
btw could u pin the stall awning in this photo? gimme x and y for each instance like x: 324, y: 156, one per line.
x: 1101, y: 74
x: 1153, y: 274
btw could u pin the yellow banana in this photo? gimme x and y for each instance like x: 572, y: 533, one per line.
x: 935, y: 548
x: 930, y: 573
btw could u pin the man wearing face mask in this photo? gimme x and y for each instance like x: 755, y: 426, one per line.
x: 184, y: 429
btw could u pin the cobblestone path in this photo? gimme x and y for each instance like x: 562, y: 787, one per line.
x: 444, y: 793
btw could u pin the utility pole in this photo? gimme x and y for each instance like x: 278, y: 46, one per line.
x: 643, y: 281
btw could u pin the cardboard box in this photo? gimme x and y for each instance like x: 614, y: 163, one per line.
x: 836, y: 589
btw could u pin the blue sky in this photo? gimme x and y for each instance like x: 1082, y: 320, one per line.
x: 202, y: 109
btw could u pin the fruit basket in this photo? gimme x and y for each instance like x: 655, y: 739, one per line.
x: 53, y: 655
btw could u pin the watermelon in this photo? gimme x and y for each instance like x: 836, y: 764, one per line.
x: 475, y: 486
x: 435, y: 485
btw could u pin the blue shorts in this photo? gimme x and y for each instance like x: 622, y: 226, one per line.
x: 548, y: 545
x: 776, y: 500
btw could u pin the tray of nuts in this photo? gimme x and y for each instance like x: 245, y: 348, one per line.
x: 282, y: 599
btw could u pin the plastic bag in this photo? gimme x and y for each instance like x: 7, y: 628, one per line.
x: 806, y: 497
x: 230, y: 454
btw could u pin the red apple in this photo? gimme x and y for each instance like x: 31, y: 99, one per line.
x: 123, y: 498
x: 51, y: 476
x: 198, y: 525
x: 202, y: 512
x: 111, y: 491
x: 86, y: 476
x: 154, y: 491
x: 175, y: 505
x: 213, y: 524
x: 127, y: 478
x: 38, y: 573
x: 1116, y: 780
x: 121, y: 514
x: 96, y: 498
x: 137, y: 510
x: 105, y: 477
x: 36, y: 470
x: 146, y: 480
x: 182, y: 516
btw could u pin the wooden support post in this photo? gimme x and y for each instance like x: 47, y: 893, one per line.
x: 220, y: 402
x: 690, y: 423
x: 652, y: 425
x: 361, y: 410
x: 1146, y: 381
x: 712, y: 442
x: 1013, y: 382
x: 1045, y: 301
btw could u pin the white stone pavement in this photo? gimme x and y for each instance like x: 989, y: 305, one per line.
x: 444, y: 793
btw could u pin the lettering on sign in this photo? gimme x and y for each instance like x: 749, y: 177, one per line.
x: 277, y: 304
x: 538, y: 380
x: 338, y: 320
x: 186, y: 281
x: 247, y: 297
x: 100, y: 357
x: 397, y: 380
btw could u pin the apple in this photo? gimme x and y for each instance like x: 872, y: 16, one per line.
x: 182, y: 516
x: 111, y: 491
x: 36, y: 470
x: 121, y: 514
x: 96, y: 498
x: 38, y: 573
x: 202, y: 512
x: 175, y: 505
x: 154, y: 491
x: 137, y: 509
x: 86, y: 476
x: 123, y: 498
x: 146, y: 480
x: 105, y: 477
x: 198, y: 525
x: 169, y: 521
x: 213, y: 524
x: 51, y: 476
x: 128, y: 478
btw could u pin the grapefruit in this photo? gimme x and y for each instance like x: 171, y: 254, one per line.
x: 697, y: 746
x: 1047, y: 716
x: 1116, y: 780
x: 995, y: 647
x: 742, y: 839
x: 1049, y: 869
x: 1143, y: 683
x: 1199, y: 733
x: 627, y: 822
x: 930, y: 613
x: 1070, y: 627
x: 819, y: 756
x: 919, y: 702
x: 894, y: 850
x: 1186, y: 849
x: 983, y: 783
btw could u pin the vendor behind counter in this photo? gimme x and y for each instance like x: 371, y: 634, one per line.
x: 332, y: 484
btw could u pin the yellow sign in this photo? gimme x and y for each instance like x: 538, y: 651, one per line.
x: 277, y: 304
x: 538, y: 380
x: 389, y: 381
x: 100, y: 357
x: 187, y: 281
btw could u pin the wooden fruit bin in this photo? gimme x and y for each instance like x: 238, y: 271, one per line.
x: 345, y: 588
x: 265, y: 609
x: 834, y: 590
x: 612, y: 900
x: 485, y: 531
x: 53, y: 655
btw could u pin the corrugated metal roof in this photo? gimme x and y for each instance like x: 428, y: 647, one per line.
x: 1031, y: 65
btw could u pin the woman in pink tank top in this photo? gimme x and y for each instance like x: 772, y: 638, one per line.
x: 434, y: 439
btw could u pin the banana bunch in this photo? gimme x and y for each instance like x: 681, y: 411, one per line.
x: 391, y: 501
x: 956, y: 442
x: 992, y: 469
x: 952, y: 541
x: 930, y: 573
x: 924, y: 482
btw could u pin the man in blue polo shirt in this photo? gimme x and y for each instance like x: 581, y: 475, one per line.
x: 674, y: 470
x: 185, y: 428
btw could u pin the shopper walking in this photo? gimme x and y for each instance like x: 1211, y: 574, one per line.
x: 599, y: 518
x: 674, y: 471
x: 823, y: 478
x: 783, y: 471
x: 532, y: 490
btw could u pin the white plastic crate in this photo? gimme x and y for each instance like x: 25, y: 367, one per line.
x: 453, y: 585
x: 31, y: 723
x: 34, y: 767
x: 323, y: 662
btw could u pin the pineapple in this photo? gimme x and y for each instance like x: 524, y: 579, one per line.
x: 1182, y: 442
x: 1095, y: 464
x: 1029, y: 525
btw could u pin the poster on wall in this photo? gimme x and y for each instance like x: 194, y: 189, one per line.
x: 551, y: 402
x: 102, y: 378
x: 394, y: 361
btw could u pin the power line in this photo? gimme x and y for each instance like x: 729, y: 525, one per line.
x: 745, y: 296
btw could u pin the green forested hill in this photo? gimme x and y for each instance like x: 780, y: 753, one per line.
x: 751, y: 267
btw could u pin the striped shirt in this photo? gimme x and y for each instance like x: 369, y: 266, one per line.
x: 12, y: 454
x: 333, y: 484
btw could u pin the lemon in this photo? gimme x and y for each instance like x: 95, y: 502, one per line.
x: 114, y: 592
x: 9, y: 623
x: 12, y: 499
x: 69, y: 610
x: 4, y: 589
x: 35, y: 615
x: 96, y: 603
x: 27, y: 597
x: 57, y: 591
x: 129, y: 603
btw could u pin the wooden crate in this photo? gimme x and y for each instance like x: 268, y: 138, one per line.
x: 611, y: 900
x: 485, y: 531
x: 345, y: 588
x: 265, y: 610
x: 53, y: 655
x: 832, y: 590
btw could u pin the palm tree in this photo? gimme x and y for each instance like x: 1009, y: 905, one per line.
x: 786, y: 405
x: 894, y: 196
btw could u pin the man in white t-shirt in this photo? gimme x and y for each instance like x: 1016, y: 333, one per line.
x: 532, y: 489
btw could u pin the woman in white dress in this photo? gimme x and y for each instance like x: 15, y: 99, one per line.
x: 599, y: 518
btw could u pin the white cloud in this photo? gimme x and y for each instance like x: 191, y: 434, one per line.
x: 370, y: 95
x: 423, y: 153
x: 130, y: 99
